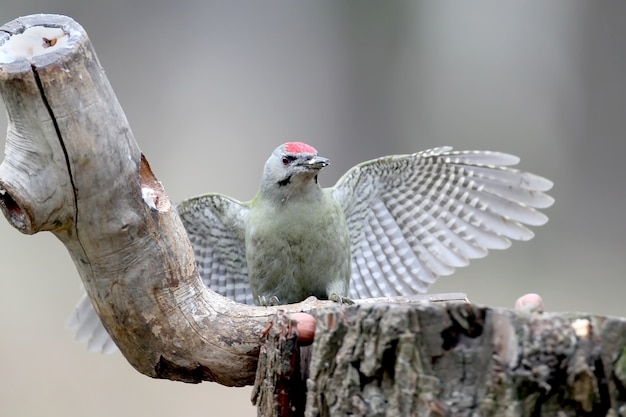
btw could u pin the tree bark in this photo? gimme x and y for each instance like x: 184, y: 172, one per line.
x: 447, y: 360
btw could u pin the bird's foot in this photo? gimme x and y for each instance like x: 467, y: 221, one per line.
x: 266, y: 302
x: 340, y: 299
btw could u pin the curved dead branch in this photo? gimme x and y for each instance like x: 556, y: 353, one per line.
x: 73, y: 168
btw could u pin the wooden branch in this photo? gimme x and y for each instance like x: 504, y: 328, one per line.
x: 446, y: 360
x: 72, y: 167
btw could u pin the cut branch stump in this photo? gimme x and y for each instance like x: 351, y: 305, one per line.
x: 453, y: 359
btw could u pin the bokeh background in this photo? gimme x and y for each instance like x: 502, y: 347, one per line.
x: 211, y: 87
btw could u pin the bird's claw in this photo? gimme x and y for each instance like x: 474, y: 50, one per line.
x: 340, y: 299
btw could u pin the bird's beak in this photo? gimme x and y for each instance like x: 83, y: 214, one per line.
x: 317, y: 162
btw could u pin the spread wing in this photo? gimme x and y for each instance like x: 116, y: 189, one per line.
x: 415, y: 217
x: 216, y: 227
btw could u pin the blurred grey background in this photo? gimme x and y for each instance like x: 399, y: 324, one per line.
x: 211, y: 87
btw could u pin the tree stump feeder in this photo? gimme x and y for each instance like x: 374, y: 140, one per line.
x: 72, y: 167
x: 453, y: 359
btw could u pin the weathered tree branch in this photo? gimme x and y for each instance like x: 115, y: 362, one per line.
x: 72, y: 167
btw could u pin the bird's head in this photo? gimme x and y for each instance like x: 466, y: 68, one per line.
x: 292, y: 168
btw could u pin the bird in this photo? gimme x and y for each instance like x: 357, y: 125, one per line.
x: 389, y: 227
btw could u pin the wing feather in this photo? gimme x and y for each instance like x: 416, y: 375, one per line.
x: 88, y: 328
x: 215, y: 225
x: 415, y: 217
x: 358, y: 285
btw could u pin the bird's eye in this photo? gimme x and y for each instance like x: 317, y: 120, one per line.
x: 287, y: 159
